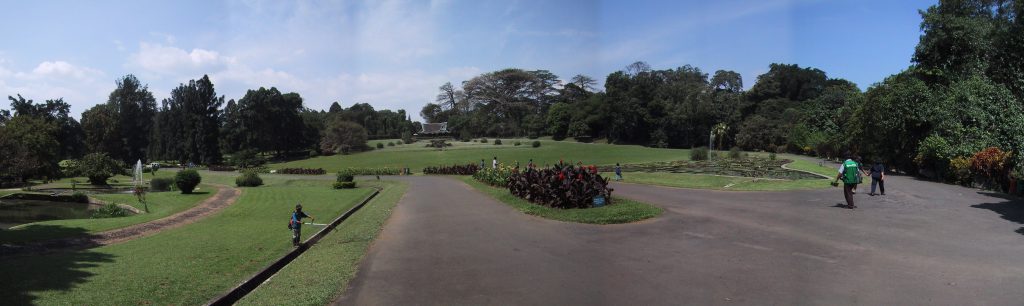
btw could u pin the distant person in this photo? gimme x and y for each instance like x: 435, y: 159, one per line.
x: 618, y: 172
x: 296, y: 224
x: 877, y: 177
x: 530, y: 165
x: 848, y: 174
x: 482, y: 164
x: 494, y: 163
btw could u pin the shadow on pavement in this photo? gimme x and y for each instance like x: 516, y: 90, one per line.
x: 22, y: 276
x: 1011, y: 209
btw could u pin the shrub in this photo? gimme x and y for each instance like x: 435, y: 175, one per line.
x: 344, y: 185
x: 517, y: 143
x: 992, y: 164
x: 187, y: 180
x: 560, y: 187
x: 340, y: 136
x: 735, y: 153
x: 68, y: 167
x: 248, y: 179
x: 246, y: 159
x: 468, y: 169
x: 380, y: 145
x: 260, y: 169
x: 536, y: 143
x: 161, y: 184
x: 497, y: 142
x: 483, y: 140
x: 79, y: 197
x: 305, y: 171
x: 407, y: 137
x: 474, y: 140
x: 960, y: 171
x: 494, y: 177
x: 110, y: 210
x: 771, y: 156
x: 391, y: 144
x: 399, y: 142
x: 222, y: 168
x: 371, y: 171
x: 345, y: 177
x: 98, y: 167
x: 699, y: 153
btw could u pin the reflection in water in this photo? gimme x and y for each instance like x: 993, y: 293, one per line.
x: 18, y: 211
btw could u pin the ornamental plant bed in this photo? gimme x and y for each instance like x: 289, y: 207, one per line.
x: 222, y: 168
x: 307, y: 171
x: 561, y: 186
x: 468, y: 169
x: 495, y: 177
x: 371, y: 171
x: 743, y: 167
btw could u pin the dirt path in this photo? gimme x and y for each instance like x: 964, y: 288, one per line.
x: 224, y: 197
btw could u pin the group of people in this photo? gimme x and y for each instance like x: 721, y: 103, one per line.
x: 851, y: 172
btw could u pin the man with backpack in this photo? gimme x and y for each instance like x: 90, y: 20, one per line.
x: 848, y: 172
x: 295, y: 224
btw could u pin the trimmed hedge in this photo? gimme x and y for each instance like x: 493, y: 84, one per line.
x: 497, y: 142
x: 371, y: 171
x: 222, y: 168
x: 187, y: 180
x: 536, y: 143
x: 468, y: 169
x: 248, y: 179
x: 304, y: 171
x: 344, y: 185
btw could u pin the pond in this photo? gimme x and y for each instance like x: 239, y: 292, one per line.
x: 20, y: 211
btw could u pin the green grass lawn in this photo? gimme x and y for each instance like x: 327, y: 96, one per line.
x: 161, y: 204
x: 323, y: 271
x: 621, y: 211
x: 416, y: 156
x: 183, y: 266
x: 699, y: 181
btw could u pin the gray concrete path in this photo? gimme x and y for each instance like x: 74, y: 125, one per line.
x: 922, y: 244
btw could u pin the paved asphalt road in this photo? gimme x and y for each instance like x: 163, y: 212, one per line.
x: 922, y: 244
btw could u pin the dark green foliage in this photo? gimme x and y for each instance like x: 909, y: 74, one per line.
x: 344, y: 137
x: 344, y: 185
x: 188, y: 124
x: 517, y: 143
x: 370, y: 171
x: 407, y: 137
x: 468, y: 169
x: 535, y: 144
x: 247, y: 158
x: 497, y: 142
x: 345, y: 177
x: 380, y: 145
x: 187, y: 180
x: 98, y: 167
x: 248, y: 179
x: 391, y: 144
x: 399, y: 142
x: 79, y: 197
x: 110, y: 210
x: 735, y: 153
x: 28, y: 148
x: 161, y: 184
x: 266, y: 120
x: 771, y: 156
x: 560, y: 187
x: 221, y: 168
x: 306, y: 171
x: 699, y: 153
x: 483, y: 140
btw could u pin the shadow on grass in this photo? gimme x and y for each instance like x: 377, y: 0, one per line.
x: 23, y: 276
x: 29, y: 272
x: 34, y: 233
x: 1010, y: 209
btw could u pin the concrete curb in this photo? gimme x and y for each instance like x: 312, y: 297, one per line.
x: 247, y: 286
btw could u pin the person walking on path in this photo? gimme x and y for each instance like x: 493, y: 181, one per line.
x: 494, y: 163
x: 878, y: 177
x: 618, y: 172
x: 296, y: 224
x: 848, y: 173
x: 860, y: 172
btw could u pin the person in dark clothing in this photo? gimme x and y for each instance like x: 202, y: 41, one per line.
x: 877, y: 177
x: 618, y: 172
x: 296, y: 223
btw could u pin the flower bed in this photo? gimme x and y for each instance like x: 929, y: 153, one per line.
x: 371, y: 171
x: 468, y: 169
x: 745, y: 167
x: 495, y: 177
x: 222, y: 168
x: 306, y: 171
x: 560, y: 186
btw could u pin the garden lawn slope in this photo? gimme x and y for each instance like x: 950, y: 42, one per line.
x: 416, y: 156
x: 182, y: 266
x: 323, y: 271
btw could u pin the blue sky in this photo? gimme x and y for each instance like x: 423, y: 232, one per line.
x: 394, y: 54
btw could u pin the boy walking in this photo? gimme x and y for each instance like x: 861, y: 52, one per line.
x: 618, y: 172
x: 296, y: 224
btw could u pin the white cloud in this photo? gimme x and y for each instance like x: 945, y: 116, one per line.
x: 62, y: 69
x: 169, y: 60
x: 80, y: 86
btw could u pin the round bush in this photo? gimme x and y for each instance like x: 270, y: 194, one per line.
x: 391, y: 144
x: 517, y: 143
x: 497, y: 142
x: 734, y: 153
x: 380, y: 145
x: 248, y: 179
x: 187, y: 180
x: 344, y: 185
x: 399, y: 142
x: 79, y: 197
x: 536, y: 143
x: 483, y: 140
x: 161, y: 184
x: 699, y: 153
x: 344, y: 177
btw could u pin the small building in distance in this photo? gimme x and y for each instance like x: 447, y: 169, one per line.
x: 433, y: 130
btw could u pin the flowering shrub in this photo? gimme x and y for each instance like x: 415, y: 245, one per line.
x: 990, y: 162
x: 960, y: 170
x: 260, y: 169
x: 495, y: 177
x: 309, y: 171
x: 560, y: 186
x: 468, y: 169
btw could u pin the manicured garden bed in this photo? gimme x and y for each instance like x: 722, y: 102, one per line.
x: 743, y: 167
x: 620, y: 211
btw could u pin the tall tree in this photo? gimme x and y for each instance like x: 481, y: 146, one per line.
x: 102, y: 132
x: 135, y: 107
